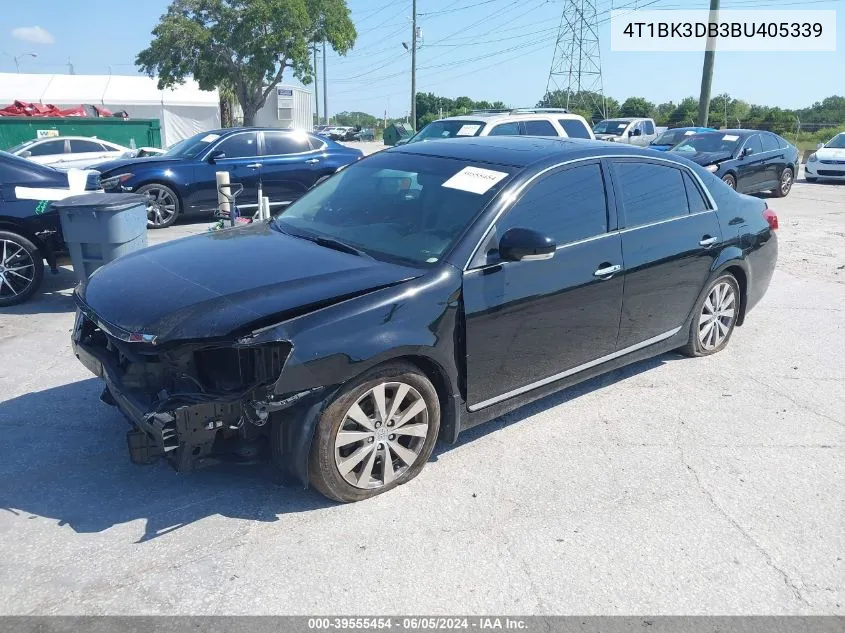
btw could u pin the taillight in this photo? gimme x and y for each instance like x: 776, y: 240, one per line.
x: 771, y: 218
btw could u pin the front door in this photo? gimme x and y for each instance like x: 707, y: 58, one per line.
x: 289, y: 166
x: 751, y: 167
x: 668, y: 243
x: 240, y: 158
x: 528, y: 321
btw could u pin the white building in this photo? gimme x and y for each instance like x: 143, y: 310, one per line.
x: 182, y: 111
x: 287, y: 107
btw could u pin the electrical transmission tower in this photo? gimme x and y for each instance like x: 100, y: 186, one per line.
x: 575, y: 81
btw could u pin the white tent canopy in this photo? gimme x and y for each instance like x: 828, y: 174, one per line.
x: 182, y: 111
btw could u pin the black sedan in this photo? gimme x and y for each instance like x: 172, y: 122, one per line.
x: 30, y: 232
x: 417, y: 293
x: 749, y: 161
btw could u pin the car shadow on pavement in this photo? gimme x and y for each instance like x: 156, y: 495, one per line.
x: 64, y: 456
x: 558, y: 398
x: 54, y: 295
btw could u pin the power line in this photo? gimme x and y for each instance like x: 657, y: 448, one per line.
x: 464, y: 8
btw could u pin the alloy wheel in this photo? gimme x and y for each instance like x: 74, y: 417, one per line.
x: 717, y: 316
x: 161, y: 205
x: 381, y: 435
x: 729, y: 181
x: 17, y: 269
x: 785, y: 181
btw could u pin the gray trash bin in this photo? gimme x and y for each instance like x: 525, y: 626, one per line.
x: 100, y: 227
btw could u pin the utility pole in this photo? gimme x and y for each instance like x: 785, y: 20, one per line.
x: 414, y: 65
x: 325, y: 97
x: 707, y: 70
x: 316, y: 85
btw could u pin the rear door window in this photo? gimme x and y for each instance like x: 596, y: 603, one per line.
x: 539, y: 128
x: 78, y: 146
x: 280, y: 143
x: 650, y: 192
x: 505, y: 129
x: 574, y: 128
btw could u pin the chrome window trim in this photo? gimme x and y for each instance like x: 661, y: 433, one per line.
x: 515, y: 195
x: 571, y: 372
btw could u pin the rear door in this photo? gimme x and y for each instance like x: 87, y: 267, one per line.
x: 668, y: 243
x: 528, y: 321
x: 85, y: 150
x: 509, y: 128
x: 289, y: 166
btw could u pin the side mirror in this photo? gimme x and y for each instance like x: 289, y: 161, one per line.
x: 525, y: 245
x: 637, y: 132
x: 216, y: 155
x: 25, y: 154
x: 820, y: 145
x: 748, y: 151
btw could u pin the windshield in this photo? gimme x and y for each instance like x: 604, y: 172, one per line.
x: 20, y: 146
x: 611, y: 126
x: 397, y: 207
x: 672, y: 137
x: 713, y: 142
x: 837, y: 142
x: 448, y: 129
x: 192, y: 146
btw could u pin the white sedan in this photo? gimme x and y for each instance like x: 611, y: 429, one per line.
x: 65, y: 152
x: 828, y: 161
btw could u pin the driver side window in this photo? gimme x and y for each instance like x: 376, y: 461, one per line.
x: 568, y: 206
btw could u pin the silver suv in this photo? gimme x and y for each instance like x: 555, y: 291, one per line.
x: 511, y: 122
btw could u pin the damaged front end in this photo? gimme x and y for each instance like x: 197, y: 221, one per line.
x: 191, y: 403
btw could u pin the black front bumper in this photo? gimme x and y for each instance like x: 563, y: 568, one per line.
x: 185, y: 436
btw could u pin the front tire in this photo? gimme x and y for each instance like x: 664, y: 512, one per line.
x: 376, y: 435
x: 21, y: 268
x: 785, y: 184
x: 729, y: 180
x: 163, y: 206
x: 715, y: 317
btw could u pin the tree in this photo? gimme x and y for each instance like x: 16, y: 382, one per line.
x: 663, y: 111
x: 355, y: 119
x: 637, y: 106
x: 247, y: 44
x: 685, y: 113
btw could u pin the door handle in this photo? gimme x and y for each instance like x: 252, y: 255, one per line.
x: 607, y: 271
x: 254, y: 165
x: 707, y: 241
x: 311, y: 161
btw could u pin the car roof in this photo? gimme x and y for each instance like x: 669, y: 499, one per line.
x: 491, y: 116
x: 521, y: 151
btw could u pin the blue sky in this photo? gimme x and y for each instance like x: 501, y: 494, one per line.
x: 484, y: 49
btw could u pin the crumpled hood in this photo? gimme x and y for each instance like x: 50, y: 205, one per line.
x: 708, y: 158
x: 212, y: 284
x: 125, y: 163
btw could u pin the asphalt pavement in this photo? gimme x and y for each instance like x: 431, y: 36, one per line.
x: 674, y: 486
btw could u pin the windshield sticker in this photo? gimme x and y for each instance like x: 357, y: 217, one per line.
x: 468, y: 130
x: 209, y: 138
x: 730, y: 137
x: 474, y: 179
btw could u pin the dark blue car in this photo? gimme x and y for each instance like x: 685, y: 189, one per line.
x: 284, y: 164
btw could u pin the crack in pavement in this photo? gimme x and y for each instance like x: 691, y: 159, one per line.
x: 766, y: 556
x: 800, y: 405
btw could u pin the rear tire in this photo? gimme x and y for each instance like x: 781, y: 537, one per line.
x: 785, y: 183
x: 714, y: 318
x: 729, y: 180
x: 21, y: 268
x: 377, y: 434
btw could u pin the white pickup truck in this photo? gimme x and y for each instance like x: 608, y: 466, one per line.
x: 633, y: 130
